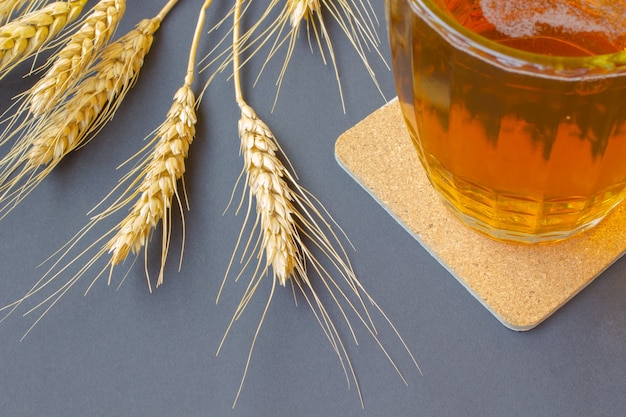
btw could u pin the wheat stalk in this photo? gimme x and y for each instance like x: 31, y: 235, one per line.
x: 92, y: 104
x: 286, y: 217
x: 26, y: 35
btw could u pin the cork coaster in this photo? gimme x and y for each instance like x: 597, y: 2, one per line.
x: 520, y: 285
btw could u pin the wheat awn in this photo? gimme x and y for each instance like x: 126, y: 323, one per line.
x: 280, y: 24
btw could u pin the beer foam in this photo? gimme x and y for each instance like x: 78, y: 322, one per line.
x: 524, y: 18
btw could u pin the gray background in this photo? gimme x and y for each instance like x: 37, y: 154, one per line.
x: 132, y: 353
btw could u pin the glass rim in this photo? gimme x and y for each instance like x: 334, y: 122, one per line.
x: 605, y: 65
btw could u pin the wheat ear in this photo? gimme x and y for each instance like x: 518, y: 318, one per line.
x: 286, y: 217
x: 92, y: 104
x: 159, y: 184
x: 26, y: 35
x: 96, y: 98
x: 9, y: 9
x: 266, y: 180
x: 65, y: 68
x: 76, y: 55
x: 151, y: 184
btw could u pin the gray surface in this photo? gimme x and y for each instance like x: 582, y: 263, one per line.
x: 131, y: 353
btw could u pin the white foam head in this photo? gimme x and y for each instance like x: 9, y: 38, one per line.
x: 522, y: 18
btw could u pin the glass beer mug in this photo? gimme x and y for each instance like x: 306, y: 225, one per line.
x: 517, y: 109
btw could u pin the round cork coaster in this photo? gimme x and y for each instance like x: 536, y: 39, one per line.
x: 520, y: 285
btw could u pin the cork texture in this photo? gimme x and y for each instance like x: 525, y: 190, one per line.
x: 520, y: 285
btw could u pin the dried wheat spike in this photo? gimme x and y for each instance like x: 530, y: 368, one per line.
x: 95, y: 98
x: 300, y: 10
x: 91, y: 105
x: 161, y: 164
x: 27, y: 34
x: 9, y: 9
x: 156, y: 190
x: 265, y: 178
x: 78, y: 53
x: 289, y: 223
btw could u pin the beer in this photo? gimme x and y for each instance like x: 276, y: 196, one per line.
x: 517, y: 109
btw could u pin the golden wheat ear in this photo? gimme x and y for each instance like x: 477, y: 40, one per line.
x: 91, y: 104
x: 29, y: 33
x: 10, y: 9
x: 64, y: 69
x: 295, y: 240
x: 161, y: 172
x: 149, y: 192
x: 293, y: 236
x: 81, y: 49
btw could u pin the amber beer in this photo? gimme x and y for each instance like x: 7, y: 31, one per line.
x: 517, y: 109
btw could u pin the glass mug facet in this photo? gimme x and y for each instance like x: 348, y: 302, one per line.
x: 520, y: 124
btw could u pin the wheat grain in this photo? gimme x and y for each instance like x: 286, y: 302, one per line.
x: 78, y: 53
x: 9, y: 8
x: 27, y: 34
